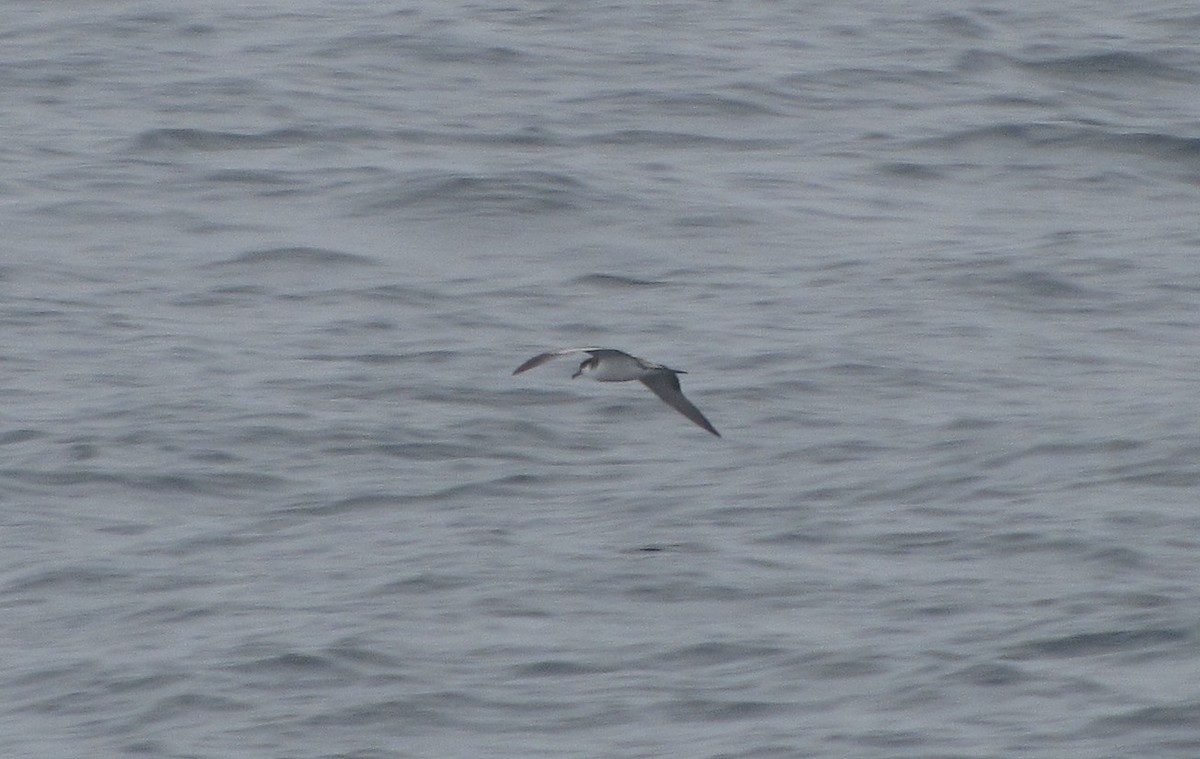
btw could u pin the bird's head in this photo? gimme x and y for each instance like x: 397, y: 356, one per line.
x: 587, y: 365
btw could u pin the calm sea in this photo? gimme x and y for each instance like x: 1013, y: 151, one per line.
x: 268, y: 487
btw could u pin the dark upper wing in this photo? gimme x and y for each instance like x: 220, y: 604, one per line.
x: 542, y: 358
x: 665, y: 385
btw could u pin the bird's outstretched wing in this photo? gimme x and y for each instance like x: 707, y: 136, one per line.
x: 665, y: 385
x: 542, y: 358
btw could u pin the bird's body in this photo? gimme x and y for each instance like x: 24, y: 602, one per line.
x: 609, y: 365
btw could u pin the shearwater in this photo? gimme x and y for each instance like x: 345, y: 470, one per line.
x: 609, y: 365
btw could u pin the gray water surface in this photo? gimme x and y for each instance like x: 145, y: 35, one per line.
x: 269, y: 489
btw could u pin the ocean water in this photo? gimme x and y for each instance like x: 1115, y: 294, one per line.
x: 268, y: 487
